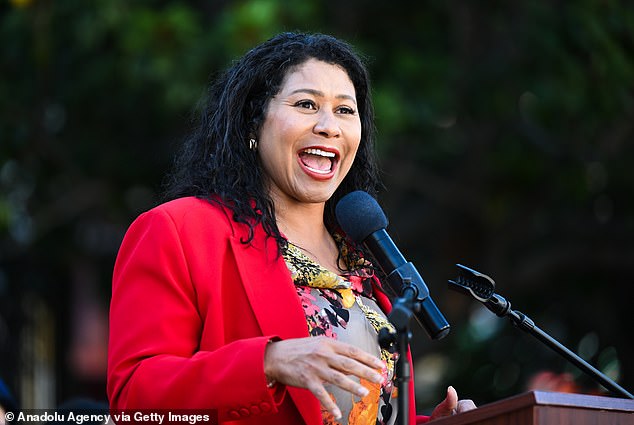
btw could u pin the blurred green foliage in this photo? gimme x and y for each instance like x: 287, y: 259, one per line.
x: 505, y: 135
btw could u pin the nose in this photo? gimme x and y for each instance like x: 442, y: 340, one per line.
x: 327, y: 124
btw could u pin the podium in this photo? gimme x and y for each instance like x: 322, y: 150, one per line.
x: 551, y: 408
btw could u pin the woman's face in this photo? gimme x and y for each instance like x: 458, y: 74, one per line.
x: 310, y: 133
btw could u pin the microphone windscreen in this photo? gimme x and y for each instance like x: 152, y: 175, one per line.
x: 359, y: 215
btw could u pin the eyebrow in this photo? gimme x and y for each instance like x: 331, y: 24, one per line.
x: 321, y: 94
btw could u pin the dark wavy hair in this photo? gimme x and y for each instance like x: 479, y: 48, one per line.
x: 216, y: 163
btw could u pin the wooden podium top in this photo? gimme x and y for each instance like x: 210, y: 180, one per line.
x: 542, y: 407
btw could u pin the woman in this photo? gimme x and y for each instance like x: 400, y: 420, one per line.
x: 239, y: 295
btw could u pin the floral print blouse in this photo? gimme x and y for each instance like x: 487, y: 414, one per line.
x: 341, y: 306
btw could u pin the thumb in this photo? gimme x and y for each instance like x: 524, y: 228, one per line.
x: 448, y: 406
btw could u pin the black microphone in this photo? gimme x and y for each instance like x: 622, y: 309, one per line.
x: 363, y: 220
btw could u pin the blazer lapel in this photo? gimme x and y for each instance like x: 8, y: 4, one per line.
x: 275, y: 303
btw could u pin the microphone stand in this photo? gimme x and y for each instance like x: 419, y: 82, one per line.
x: 414, y: 302
x: 502, y: 307
x: 403, y: 309
x: 481, y: 287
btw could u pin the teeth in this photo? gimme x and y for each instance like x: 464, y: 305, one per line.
x: 314, y: 170
x: 320, y: 153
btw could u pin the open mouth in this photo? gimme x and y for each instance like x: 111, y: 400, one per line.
x: 317, y: 160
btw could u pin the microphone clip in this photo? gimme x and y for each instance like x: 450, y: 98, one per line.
x: 482, y: 288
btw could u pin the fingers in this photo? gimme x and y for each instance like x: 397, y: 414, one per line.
x: 324, y: 398
x: 452, y: 397
x: 311, y: 362
x: 447, y: 407
x: 353, y: 361
x: 465, y: 405
x: 451, y: 405
x: 350, y: 351
x: 342, y: 361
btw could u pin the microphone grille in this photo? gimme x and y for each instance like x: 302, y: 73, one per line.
x: 360, y: 215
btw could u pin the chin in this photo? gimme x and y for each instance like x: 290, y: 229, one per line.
x: 315, y: 198
x: 314, y: 192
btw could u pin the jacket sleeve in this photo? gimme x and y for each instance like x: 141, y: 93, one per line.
x: 154, y: 359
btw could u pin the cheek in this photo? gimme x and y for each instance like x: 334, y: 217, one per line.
x: 355, y: 141
x: 356, y: 136
x: 269, y: 143
x: 350, y: 158
x: 277, y: 136
x: 357, y: 144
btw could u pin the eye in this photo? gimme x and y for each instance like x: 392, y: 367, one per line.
x: 306, y: 104
x: 346, y: 110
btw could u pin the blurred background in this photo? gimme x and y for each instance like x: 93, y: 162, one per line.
x: 504, y: 131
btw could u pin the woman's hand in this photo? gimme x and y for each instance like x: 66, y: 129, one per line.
x: 451, y: 405
x: 310, y: 362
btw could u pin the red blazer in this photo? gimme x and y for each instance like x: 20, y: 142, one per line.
x: 191, y: 313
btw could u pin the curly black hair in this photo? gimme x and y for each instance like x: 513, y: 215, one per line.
x: 215, y: 162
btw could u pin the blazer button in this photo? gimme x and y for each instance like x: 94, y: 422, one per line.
x: 265, y: 406
x: 255, y: 410
x: 244, y: 412
x: 233, y: 414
